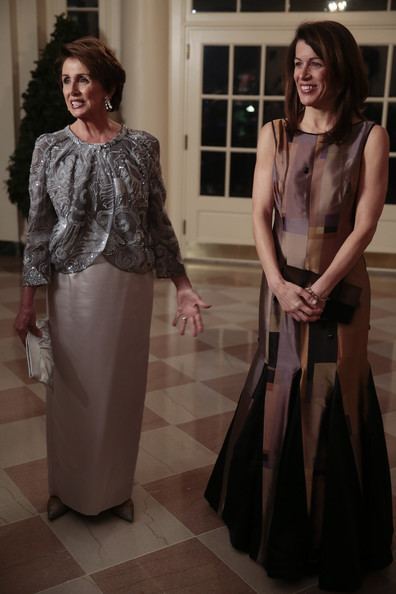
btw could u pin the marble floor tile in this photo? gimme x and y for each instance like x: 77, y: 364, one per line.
x: 20, y: 369
x: 251, y: 572
x: 149, y: 468
x: 169, y: 345
x: 31, y: 479
x: 182, y: 495
x: 6, y: 327
x: 193, y: 388
x: 386, y: 399
x: 6, y: 313
x: 19, y: 403
x: 13, y: 505
x: 152, y: 420
x: 175, y: 449
x: 83, y: 585
x: 387, y: 381
x: 8, y: 379
x: 32, y: 558
x: 228, y: 336
x: 186, y: 568
x: 161, y: 375
x: 391, y: 447
x: 159, y: 327
x: 40, y: 390
x: 10, y: 294
x: 390, y: 423
x: 244, y: 352
x: 228, y: 385
x: 385, y: 348
x: 380, y: 364
x: 105, y: 540
x: 22, y: 441
x: 210, y: 431
x: 9, y: 280
x: 188, y: 402
x: 207, y: 364
x: 10, y: 349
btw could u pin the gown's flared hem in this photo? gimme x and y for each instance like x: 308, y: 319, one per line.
x: 356, y: 513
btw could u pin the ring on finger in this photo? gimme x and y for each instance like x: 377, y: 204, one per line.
x: 184, y: 318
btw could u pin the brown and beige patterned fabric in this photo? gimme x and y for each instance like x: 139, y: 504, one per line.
x: 303, y: 479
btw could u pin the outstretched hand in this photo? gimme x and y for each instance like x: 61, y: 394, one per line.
x: 188, y: 313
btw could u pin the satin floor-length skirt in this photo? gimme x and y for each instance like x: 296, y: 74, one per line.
x: 100, y: 326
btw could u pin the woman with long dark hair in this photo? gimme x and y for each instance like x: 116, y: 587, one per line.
x: 302, y: 480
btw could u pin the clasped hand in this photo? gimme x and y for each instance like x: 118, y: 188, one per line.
x: 188, y: 313
x: 301, y: 304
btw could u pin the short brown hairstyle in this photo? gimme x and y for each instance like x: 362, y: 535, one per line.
x: 336, y: 46
x: 101, y: 62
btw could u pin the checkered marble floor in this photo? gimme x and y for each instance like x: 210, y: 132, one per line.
x: 176, y: 544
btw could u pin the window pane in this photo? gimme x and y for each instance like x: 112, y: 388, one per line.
x: 82, y: 3
x: 215, y: 69
x: 391, y: 197
x: 262, y: 5
x: 212, y: 173
x: 273, y: 110
x: 367, y: 4
x: 214, y: 122
x: 89, y: 21
x: 244, y: 123
x: 308, y: 5
x: 247, y: 61
x: 214, y: 5
x: 274, y: 65
x: 322, y: 5
x: 391, y: 125
x: 393, y: 76
x: 375, y: 60
x: 241, y: 179
x: 373, y: 112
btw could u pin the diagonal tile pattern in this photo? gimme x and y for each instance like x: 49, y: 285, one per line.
x: 176, y: 544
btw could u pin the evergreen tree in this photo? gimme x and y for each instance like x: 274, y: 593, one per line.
x: 44, y: 108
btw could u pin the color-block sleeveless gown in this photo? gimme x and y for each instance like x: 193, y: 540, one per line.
x: 302, y: 480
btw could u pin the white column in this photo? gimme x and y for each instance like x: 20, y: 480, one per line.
x: 144, y: 55
x: 8, y: 212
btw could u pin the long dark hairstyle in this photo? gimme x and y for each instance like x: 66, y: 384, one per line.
x: 335, y: 45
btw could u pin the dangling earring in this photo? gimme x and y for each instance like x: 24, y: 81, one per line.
x: 108, y: 105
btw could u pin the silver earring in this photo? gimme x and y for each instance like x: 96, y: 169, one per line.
x: 108, y: 105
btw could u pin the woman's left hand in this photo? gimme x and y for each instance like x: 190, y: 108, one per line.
x: 188, y: 313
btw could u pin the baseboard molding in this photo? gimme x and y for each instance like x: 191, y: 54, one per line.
x: 246, y: 254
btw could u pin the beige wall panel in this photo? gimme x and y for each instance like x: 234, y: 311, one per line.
x: 8, y: 213
x: 220, y: 227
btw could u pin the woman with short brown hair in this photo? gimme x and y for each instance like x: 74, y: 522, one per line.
x: 97, y: 231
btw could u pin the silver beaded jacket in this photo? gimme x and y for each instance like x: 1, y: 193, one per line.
x: 91, y: 199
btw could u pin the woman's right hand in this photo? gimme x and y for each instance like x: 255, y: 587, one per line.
x: 298, y: 303
x: 26, y: 322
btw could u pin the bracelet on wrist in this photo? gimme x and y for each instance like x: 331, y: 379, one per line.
x: 315, y: 295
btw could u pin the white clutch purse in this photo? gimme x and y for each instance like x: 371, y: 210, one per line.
x: 39, y: 356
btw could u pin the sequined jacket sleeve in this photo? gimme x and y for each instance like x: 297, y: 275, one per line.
x: 168, y: 261
x: 42, y: 217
